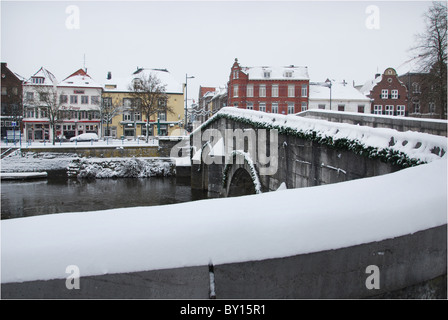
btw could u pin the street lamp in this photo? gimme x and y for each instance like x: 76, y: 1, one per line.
x: 186, y: 99
x: 328, y: 82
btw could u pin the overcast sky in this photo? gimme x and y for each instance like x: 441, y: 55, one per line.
x: 334, y: 39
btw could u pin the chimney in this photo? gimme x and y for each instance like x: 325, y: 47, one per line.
x: 109, y: 75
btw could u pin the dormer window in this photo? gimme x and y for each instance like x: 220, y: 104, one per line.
x: 137, y: 83
x: 267, y: 74
x: 37, y: 80
x: 288, y: 74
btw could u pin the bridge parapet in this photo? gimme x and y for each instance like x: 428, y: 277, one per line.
x: 302, y: 152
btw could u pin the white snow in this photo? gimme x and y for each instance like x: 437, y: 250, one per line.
x: 416, y: 145
x: 22, y: 175
x: 268, y: 225
x: 277, y: 73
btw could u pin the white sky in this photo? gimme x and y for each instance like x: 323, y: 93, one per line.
x: 202, y: 38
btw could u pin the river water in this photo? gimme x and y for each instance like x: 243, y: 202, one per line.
x: 59, y: 194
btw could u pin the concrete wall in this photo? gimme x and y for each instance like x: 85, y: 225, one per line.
x: 115, y: 151
x: 432, y: 126
x: 409, y: 266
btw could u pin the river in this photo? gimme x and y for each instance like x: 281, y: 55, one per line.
x: 59, y: 194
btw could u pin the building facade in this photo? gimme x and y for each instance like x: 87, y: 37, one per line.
x: 422, y: 95
x: 283, y: 90
x: 389, y: 95
x: 126, y: 121
x: 337, y: 96
x: 12, y: 107
x: 74, y: 107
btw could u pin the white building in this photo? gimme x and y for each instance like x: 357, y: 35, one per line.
x: 337, y: 96
x: 78, y: 99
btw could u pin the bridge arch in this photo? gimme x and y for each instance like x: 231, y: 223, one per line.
x: 240, y: 176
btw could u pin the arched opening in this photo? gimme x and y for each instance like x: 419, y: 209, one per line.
x: 241, y: 184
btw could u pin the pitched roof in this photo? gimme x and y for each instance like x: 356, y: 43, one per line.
x: 79, y: 79
x: 121, y: 84
x: 339, y: 91
x: 277, y: 73
x: 49, y: 78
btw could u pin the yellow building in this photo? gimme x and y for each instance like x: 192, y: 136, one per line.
x: 126, y: 121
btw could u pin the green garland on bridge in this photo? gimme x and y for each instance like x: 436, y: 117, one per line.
x: 386, y: 155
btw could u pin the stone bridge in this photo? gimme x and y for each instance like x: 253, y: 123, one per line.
x: 240, y: 152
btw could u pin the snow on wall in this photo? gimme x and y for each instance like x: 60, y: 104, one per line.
x: 404, y: 148
x: 99, y: 168
x: 269, y: 225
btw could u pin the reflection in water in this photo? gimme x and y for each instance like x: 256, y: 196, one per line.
x: 56, y: 195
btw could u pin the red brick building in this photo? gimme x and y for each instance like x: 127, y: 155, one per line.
x: 12, y: 109
x: 389, y: 95
x: 283, y: 90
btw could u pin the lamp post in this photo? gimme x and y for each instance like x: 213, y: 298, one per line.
x: 186, y: 99
x: 328, y: 82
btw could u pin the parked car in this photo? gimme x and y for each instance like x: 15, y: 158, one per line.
x: 85, y: 137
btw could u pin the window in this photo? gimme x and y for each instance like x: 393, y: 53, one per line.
x: 127, y: 116
x: 37, y: 80
x: 162, y: 116
x: 4, y: 91
x: 288, y: 74
x: 235, y: 104
x: 291, y: 108
x: 162, y: 102
x: 250, y: 91
x: 415, y: 88
x: 107, y: 102
x: 235, y: 74
x: 85, y: 99
x: 235, y: 91
x: 321, y: 106
x: 63, y: 98
x: 43, y: 96
x: 291, y: 88
x: 250, y: 106
x: 432, y: 107
x: 394, y: 94
x: 389, y: 110
x: 304, y: 90
x: 95, y: 99
x: 74, y: 99
x: 341, y: 107
x: 127, y: 103
x: 30, y: 96
x: 274, y: 108
x: 275, y: 90
x: 263, y: 106
x: 401, y: 111
x: 361, y: 108
x: 15, y: 91
x: 267, y: 74
x: 304, y: 105
x: 416, y: 106
x: 377, y: 109
x: 384, y: 94
x: 262, y: 92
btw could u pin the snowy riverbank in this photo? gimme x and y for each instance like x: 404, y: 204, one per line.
x: 269, y: 225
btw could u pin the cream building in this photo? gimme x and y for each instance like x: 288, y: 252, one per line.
x: 126, y: 121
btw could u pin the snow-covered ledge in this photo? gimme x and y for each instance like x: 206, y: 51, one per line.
x: 227, y: 230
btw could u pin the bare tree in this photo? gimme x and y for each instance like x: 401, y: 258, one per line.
x: 50, y: 104
x: 431, y: 54
x: 110, y: 107
x: 150, y: 96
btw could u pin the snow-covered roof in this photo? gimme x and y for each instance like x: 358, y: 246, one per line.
x: 79, y: 79
x: 277, y: 73
x: 121, y: 84
x: 368, y: 85
x: 49, y: 78
x: 339, y: 91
